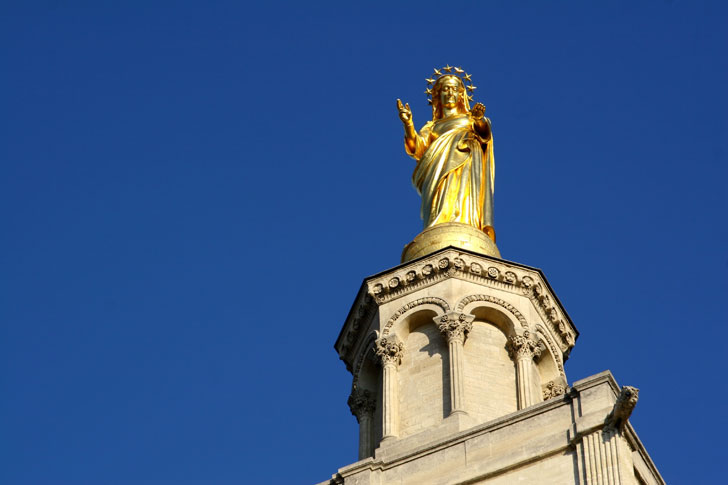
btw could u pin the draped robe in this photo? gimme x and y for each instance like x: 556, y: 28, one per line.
x: 455, y: 172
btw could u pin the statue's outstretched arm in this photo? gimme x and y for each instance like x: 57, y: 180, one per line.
x: 410, y: 134
x: 480, y: 123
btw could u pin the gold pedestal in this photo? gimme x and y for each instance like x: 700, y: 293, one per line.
x: 449, y: 234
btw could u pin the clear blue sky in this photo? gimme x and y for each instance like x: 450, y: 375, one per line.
x: 192, y: 193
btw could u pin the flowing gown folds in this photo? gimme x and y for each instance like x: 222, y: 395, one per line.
x: 455, y: 173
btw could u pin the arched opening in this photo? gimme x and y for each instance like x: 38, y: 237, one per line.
x: 550, y: 380
x: 490, y: 373
x: 424, y: 382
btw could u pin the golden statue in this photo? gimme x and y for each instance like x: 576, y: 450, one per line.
x: 455, y: 169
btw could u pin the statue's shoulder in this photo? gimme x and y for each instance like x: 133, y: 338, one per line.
x: 426, y: 128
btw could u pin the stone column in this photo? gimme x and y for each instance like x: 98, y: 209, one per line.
x: 523, y: 350
x: 456, y: 326
x: 362, y: 404
x: 390, y: 351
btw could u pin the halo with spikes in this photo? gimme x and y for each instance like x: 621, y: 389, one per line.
x: 449, y: 70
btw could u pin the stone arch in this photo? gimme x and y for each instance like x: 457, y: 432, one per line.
x: 425, y: 361
x: 430, y: 300
x: 551, y: 349
x: 490, y: 377
x: 366, y: 350
x: 495, y: 310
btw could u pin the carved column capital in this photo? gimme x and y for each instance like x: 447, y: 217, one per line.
x: 389, y: 350
x: 362, y: 403
x: 523, y: 346
x: 455, y: 325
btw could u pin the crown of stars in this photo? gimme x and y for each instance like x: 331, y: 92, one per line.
x: 449, y: 70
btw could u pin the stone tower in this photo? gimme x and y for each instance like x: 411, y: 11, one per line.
x: 457, y: 360
x: 457, y: 355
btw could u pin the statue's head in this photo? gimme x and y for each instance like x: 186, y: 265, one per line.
x: 449, y: 91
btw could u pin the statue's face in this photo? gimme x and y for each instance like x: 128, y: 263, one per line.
x: 450, y: 92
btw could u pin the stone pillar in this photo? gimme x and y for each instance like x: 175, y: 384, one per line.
x: 523, y: 350
x: 456, y: 326
x: 390, y: 351
x: 362, y: 404
x: 603, y: 455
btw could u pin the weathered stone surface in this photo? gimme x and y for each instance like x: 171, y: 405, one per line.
x: 545, y: 443
x: 454, y: 332
x: 458, y: 377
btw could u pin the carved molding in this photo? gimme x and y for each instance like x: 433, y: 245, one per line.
x: 551, y: 314
x: 389, y: 350
x: 455, y: 325
x: 440, y: 266
x: 362, y: 317
x: 361, y: 358
x: 497, y: 301
x: 362, y: 403
x: 409, y: 306
x: 546, y: 337
x: 617, y: 418
x: 523, y: 346
x: 431, y: 270
x: 452, y: 263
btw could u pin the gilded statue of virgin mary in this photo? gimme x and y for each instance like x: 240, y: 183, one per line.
x: 455, y: 168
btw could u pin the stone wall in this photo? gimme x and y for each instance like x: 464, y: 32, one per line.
x: 582, y: 437
x: 423, y: 380
x: 489, y: 372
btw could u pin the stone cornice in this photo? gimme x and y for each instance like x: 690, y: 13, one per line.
x: 448, y: 263
x: 358, y: 320
x: 491, y: 272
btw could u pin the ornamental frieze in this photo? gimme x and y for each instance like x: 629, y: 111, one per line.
x: 452, y: 263
x: 429, y: 271
x: 448, y: 264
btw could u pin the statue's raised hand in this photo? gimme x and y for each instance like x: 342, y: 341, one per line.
x: 405, y: 113
x: 478, y: 111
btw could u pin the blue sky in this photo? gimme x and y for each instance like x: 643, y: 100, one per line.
x: 192, y: 193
